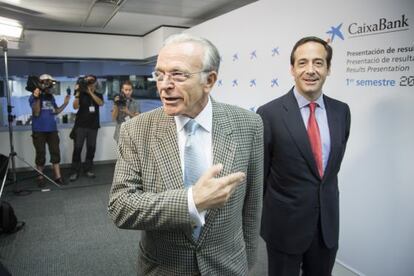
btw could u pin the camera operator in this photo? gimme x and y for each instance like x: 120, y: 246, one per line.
x: 44, y: 127
x: 125, y: 107
x: 87, y: 101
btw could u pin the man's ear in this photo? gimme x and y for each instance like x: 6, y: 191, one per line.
x: 210, y: 81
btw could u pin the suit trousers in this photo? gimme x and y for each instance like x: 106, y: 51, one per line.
x: 317, y: 260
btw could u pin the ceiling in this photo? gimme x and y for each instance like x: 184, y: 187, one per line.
x: 127, y: 17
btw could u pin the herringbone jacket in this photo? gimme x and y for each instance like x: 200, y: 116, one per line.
x: 148, y: 194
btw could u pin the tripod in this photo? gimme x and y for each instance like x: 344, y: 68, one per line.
x: 10, y: 117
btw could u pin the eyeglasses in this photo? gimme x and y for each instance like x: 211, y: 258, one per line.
x: 176, y: 76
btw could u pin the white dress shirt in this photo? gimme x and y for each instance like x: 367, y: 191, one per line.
x: 205, y: 120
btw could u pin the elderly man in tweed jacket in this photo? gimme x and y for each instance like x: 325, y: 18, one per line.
x: 149, y: 192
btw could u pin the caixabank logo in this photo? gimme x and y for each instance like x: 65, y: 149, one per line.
x: 335, y: 32
x: 381, y: 26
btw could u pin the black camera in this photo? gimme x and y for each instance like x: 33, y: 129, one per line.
x: 32, y: 83
x: 122, y: 100
x: 83, y: 82
x: 43, y: 82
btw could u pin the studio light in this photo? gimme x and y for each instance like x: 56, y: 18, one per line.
x: 10, y: 29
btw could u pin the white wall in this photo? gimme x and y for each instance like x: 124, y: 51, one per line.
x: 153, y: 41
x: 79, y: 45
x: 376, y: 179
x: 84, y: 45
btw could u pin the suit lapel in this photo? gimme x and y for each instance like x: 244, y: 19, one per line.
x: 294, y: 123
x: 167, y: 154
x: 223, y: 152
x: 334, y: 133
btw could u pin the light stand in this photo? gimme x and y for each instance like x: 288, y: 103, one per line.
x: 3, y: 45
x: 10, y: 117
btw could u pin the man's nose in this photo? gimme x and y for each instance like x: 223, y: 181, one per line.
x: 310, y: 68
x: 166, y: 83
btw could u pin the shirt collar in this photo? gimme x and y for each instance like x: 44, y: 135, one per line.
x: 204, y: 118
x: 303, y: 102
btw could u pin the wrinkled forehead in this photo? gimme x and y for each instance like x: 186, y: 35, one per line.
x: 180, y: 56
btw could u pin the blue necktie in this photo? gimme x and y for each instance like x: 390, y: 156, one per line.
x: 194, y: 160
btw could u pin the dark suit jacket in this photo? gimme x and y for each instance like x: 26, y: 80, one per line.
x: 148, y: 194
x: 295, y: 197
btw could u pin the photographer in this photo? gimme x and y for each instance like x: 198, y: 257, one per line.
x: 44, y: 127
x: 87, y: 101
x: 125, y: 107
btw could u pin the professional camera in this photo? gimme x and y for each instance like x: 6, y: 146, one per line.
x: 43, y: 82
x: 121, y: 100
x: 32, y: 83
x: 85, y: 81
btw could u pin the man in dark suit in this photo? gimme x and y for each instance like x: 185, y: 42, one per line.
x: 305, y: 136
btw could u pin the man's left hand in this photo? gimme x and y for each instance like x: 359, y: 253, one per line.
x: 91, y: 90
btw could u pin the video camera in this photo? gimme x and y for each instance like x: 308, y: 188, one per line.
x: 85, y: 81
x: 34, y: 82
x: 122, y: 100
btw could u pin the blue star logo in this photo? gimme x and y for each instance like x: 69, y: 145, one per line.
x: 335, y: 31
x: 220, y: 82
x: 235, y: 83
x: 235, y: 57
x: 274, y: 82
x: 253, y: 55
x: 275, y: 51
x: 253, y: 109
x: 253, y: 83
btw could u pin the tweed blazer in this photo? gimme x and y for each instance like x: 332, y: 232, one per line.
x: 148, y: 194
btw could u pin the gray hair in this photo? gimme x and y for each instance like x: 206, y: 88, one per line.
x: 211, y: 60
